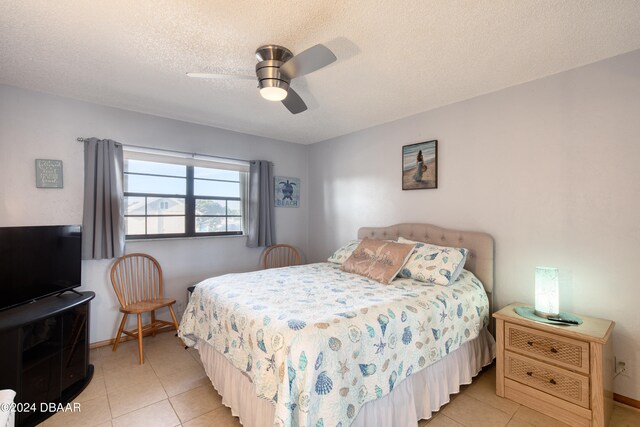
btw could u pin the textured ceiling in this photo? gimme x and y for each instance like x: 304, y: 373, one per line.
x: 395, y: 58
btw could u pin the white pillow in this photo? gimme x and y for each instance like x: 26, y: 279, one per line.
x: 344, y: 252
x: 429, y: 263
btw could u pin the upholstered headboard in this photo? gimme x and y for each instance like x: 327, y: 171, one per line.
x: 480, y: 245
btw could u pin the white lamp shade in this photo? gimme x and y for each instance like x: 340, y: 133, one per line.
x: 547, y: 292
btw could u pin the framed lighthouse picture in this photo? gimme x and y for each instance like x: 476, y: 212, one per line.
x: 287, y: 191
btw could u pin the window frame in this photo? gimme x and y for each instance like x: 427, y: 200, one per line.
x: 189, y: 206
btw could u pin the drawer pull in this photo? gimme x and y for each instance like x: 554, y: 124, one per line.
x: 552, y: 349
x: 552, y: 381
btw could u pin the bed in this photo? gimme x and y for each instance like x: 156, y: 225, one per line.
x: 313, y: 345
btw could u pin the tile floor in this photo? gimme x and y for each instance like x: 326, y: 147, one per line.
x: 171, y: 389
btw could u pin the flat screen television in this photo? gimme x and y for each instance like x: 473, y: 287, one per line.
x: 39, y: 261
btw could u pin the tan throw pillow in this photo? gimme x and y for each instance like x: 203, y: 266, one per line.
x: 378, y: 259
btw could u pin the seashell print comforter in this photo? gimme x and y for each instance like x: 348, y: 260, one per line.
x: 320, y: 342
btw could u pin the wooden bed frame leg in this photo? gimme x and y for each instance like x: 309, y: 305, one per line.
x: 122, y: 323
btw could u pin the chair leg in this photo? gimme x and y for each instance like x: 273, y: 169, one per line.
x: 140, y: 348
x: 173, y: 316
x: 153, y: 322
x: 122, y: 323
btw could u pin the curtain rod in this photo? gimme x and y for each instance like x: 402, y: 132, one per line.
x: 81, y: 139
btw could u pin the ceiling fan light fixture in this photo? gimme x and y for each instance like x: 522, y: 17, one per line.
x: 273, y: 93
x: 275, y: 69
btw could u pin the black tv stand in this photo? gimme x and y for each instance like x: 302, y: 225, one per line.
x: 44, y: 353
x: 68, y: 290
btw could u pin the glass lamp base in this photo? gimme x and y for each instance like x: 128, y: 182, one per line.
x: 545, y: 315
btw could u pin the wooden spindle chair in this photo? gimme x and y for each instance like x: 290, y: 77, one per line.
x: 137, y: 282
x: 280, y: 256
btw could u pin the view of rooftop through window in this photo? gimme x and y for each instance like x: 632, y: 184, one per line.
x: 175, y: 200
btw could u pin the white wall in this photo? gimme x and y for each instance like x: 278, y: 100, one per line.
x: 549, y: 168
x: 35, y: 125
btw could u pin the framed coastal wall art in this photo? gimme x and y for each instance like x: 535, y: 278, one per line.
x: 287, y: 192
x: 420, y: 165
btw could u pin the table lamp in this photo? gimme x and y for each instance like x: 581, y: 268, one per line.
x: 547, y: 301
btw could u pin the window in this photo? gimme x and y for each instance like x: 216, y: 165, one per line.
x: 179, y: 197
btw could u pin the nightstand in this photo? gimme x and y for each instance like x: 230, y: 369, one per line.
x: 562, y: 371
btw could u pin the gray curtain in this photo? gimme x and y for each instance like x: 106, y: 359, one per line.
x: 103, y: 222
x: 261, y: 229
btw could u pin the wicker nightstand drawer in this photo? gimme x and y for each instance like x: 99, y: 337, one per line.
x: 555, y: 349
x: 561, y: 383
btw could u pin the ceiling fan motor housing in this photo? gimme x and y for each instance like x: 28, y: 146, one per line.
x: 271, y: 58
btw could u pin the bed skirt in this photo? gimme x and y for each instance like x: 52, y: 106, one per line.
x: 415, y: 398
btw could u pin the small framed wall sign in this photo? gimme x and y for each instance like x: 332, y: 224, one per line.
x: 420, y: 165
x: 48, y: 173
x: 287, y: 192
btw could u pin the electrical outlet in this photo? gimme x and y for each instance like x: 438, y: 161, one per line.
x: 620, y: 368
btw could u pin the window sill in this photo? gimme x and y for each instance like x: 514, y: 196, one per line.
x: 156, y: 239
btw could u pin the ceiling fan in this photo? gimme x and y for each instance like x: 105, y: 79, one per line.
x: 276, y: 68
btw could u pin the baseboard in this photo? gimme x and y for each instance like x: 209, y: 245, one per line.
x: 105, y: 343
x: 626, y: 400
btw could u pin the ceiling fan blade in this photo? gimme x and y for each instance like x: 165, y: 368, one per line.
x: 293, y: 102
x: 308, y: 61
x: 221, y: 76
